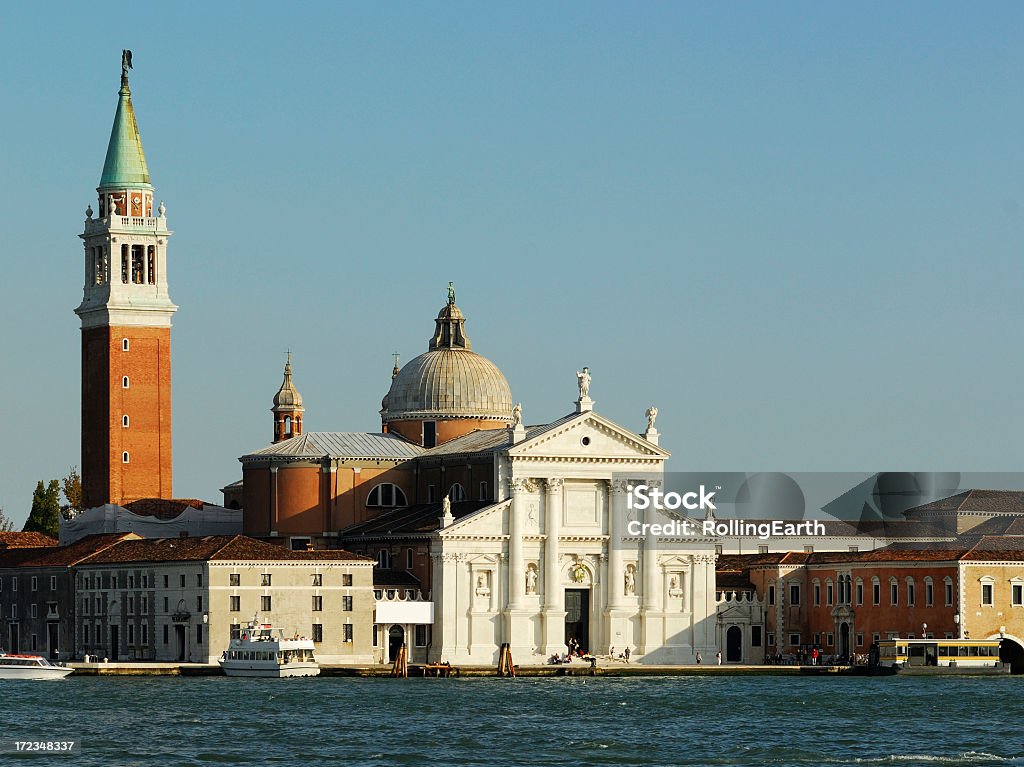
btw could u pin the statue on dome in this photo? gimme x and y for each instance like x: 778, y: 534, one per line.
x: 652, y: 415
x: 583, y: 380
x: 451, y: 293
x: 126, y: 62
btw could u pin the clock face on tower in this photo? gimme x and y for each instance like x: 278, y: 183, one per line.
x: 136, y: 204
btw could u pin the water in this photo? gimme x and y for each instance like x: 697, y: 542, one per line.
x: 694, y: 720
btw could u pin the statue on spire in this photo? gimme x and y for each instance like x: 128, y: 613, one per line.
x: 451, y: 293
x: 126, y: 62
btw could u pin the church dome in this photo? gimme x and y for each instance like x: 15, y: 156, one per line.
x: 287, y: 396
x: 449, y: 380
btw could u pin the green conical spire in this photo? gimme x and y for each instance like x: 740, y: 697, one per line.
x: 125, y: 165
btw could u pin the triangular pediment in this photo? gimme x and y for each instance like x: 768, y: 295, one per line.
x: 588, y: 435
x: 488, y: 521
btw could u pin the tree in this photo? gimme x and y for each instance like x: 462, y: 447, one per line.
x: 5, y: 523
x: 45, y: 513
x: 72, y: 485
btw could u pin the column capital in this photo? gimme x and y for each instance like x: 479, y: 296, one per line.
x: 518, y: 485
x: 554, y: 484
x: 618, y: 486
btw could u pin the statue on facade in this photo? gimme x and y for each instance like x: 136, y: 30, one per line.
x: 652, y: 415
x: 482, y: 589
x: 517, y: 414
x: 583, y: 381
x: 531, y: 580
x: 630, y: 581
x: 451, y: 292
x: 446, y: 506
x: 126, y: 62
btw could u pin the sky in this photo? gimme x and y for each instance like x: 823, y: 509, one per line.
x: 796, y: 228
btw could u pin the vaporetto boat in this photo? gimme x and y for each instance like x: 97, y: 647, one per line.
x: 30, y: 667
x: 263, y: 651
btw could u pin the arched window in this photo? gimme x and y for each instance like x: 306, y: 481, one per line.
x: 387, y: 496
x: 860, y: 590
x: 894, y: 591
x: 456, y: 493
x: 124, y: 344
x: 876, y: 590
x: 124, y: 382
x: 947, y: 584
x: 384, y: 559
x: 125, y: 458
x: 124, y: 421
x: 929, y: 591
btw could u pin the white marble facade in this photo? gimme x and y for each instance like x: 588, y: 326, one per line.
x: 517, y: 570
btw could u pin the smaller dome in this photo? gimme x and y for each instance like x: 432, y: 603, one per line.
x: 287, y: 397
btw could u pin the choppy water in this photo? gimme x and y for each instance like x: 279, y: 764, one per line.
x: 696, y: 720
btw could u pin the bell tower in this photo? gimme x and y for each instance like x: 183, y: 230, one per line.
x: 126, y: 326
x: 287, y: 408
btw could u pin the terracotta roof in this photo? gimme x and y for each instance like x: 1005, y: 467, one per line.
x: 421, y: 519
x: 212, y: 548
x: 163, y: 508
x: 16, y: 540
x: 1000, y: 548
x: 62, y: 556
x: 986, y: 501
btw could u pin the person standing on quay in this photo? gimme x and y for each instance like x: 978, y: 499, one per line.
x: 698, y: 657
x: 718, y: 657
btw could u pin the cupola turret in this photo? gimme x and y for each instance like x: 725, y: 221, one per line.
x: 287, y: 408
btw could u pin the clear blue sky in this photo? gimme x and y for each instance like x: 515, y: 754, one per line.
x: 795, y: 228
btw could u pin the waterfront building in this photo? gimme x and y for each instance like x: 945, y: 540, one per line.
x: 970, y: 586
x: 37, y: 594
x: 184, y: 599
x: 486, y: 530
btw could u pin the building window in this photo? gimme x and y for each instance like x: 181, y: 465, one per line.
x: 1017, y: 594
x: 199, y: 580
x: 829, y: 593
x: 755, y: 636
x: 167, y: 603
x: 986, y: 594
x: 855, y: 548
x: 346, y: 603
x: 384, y: 559
x: 124, y: 382
x: 808, y: 548
x: 318, y: 603
x: 236, y: 604
x: 318, y: 632
x: 817, y: 639
x: 860, y: 640
x: 876, y: 638
x: 771, y: 640
x: 483, y: 491
x: 124, y: 344
x: 817, y: 594
x: 860, y: 592
x: 771, y: 594
x: 265, y: 603
x: 408, y: 559
x: 911, y: 592
x: 794, y: 640
x: 34, y: 583
x: 318, y: 579
x: 929, y: 592
x: 124, y: 422
x: 199, y: 633
x: 235, y: 630
x: 34, y: 611
x: 719, y: 549
x: 53, y: 583
x: 144, y: 605
x: 829, y: 639
x: 235, y: 579
x: 431, y: 493
x: 167, y: 581
x: 346, y: 635
x: 181, y: 579
x: 421, y: 635
x: 794, y: 594
x: 265, y: 579
x: 762, y: 549
x: 199, y: 604
x: 346, y: 579
x: 166, y: 633
x: 948, y: 584
x: 429, y: 433
x: 894, y: 592
x: 131, y: 581
x: 14, y: 583
x: 145, y: 581
x: 456, y: 493
x: 125, y: 458
x: 387, y: 496
x: 131, y: 633
x: 876, y: 592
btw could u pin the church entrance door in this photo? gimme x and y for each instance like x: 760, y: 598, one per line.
x: 577, y: 617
